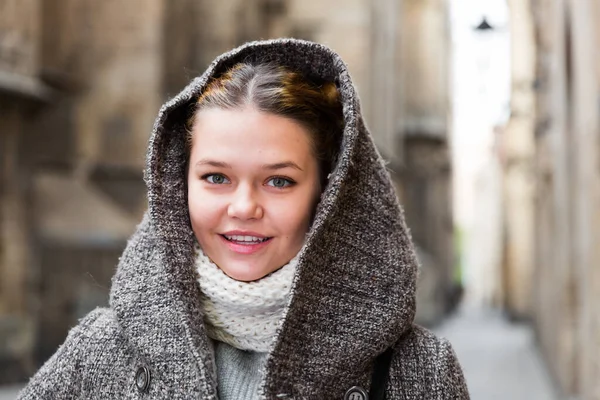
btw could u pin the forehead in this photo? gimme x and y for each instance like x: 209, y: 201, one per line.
x: 248, y: 132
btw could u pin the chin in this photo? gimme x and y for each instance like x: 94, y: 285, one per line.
x: 244, y: 273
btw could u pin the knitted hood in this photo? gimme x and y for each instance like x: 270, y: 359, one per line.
x: 353, y: 293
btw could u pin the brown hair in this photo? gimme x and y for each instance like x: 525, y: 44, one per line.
x: 277, y: 90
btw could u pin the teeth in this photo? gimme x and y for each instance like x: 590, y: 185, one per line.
x: 241, y: 238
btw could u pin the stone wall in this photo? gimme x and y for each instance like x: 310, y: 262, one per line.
x: 518, y: 151
x: 426, y: 181
x: 425, y: 172
x: 77, y: 83
x: 585, y: 135
x: 563, y: 177
x: 21, y: 94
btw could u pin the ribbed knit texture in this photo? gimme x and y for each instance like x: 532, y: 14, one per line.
x: 353, y: 293
x: 245, y: 315
x: 238, y: 372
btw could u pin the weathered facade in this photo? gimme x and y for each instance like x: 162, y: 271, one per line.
x: 553, y: 186
x: 22, y: 95
x: 425, y: 173
x: 68, y: 120
x: 518, y: 149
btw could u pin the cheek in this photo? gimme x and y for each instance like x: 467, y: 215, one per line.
x: 294, y: 216
x: 204, y: 211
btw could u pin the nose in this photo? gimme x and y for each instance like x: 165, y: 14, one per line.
x: 245, y: 204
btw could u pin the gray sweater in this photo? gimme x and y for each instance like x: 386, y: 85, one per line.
x: 353, y: 294
x: 238, y: 372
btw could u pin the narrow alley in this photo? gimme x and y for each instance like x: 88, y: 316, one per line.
x: 9, y: 392
x: 500, y: 359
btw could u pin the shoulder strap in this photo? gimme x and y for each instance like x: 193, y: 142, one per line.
x: 380, y: 375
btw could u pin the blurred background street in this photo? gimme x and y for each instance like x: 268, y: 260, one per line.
x: 9, y: 392
x: 486, y: 111
x: 500, y: 360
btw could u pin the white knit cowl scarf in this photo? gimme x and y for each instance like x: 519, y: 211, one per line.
x: 244, y: 315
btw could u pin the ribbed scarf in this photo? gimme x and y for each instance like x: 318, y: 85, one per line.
x: 244, y: 315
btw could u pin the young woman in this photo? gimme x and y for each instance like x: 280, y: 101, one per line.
x: 273, y: 262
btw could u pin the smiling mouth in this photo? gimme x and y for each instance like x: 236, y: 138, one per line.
x: 245, y: 240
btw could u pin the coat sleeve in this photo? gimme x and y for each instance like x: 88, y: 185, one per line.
x: 61, y: 376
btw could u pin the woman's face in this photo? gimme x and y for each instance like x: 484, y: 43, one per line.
x: 253, y: 184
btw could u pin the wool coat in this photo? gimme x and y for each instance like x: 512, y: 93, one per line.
x: 353, y: 294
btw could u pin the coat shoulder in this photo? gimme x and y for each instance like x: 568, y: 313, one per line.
x: 425, y: 366
x: 422, y: 341
x: 99, y: 324
x: 95, y: 341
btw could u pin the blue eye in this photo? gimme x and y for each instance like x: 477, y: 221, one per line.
x: 216, y: 179
x: 280, y: 182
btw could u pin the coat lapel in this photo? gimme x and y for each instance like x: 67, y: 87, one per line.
x: 156, y: 301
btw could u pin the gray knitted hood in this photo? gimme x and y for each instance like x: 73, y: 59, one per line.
x: 354, y: 291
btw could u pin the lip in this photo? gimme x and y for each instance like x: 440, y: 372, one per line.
x: 243, y: 233
x: 245, y: 249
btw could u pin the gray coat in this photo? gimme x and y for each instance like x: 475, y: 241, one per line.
x: 353, y: 294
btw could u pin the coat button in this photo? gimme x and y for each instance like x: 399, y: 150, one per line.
x: 356, y: 393
x: 142, y: 379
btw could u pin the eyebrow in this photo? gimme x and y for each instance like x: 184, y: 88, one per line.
x: 281, y: 165
x: 213, y: 163
x: 275, y: 166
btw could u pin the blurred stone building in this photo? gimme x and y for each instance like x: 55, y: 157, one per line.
x: 552, y: 186
x: 21, y: 94
x: 424, y: 170
x: 80, y: 84
x: 78, y: 99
